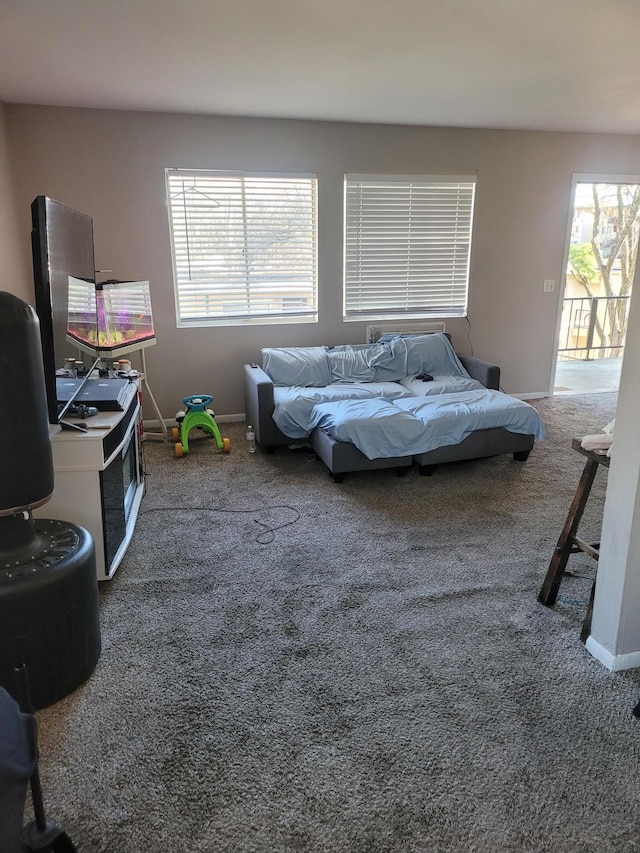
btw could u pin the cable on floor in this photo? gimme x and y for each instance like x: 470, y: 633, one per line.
x: 266, y: 535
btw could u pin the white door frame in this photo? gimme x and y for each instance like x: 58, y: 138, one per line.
x: 577, y: 178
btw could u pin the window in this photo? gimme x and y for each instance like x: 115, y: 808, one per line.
x: 407, y: 246
x: 244, y: 247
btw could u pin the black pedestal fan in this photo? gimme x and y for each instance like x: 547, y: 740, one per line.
x: 49, y: 623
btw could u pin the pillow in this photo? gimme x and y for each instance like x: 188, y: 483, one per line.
x: 367, y: 363
x: 390, y: 362
x: 350, y: 365
x: 430, y: 353
x: 305, y: 366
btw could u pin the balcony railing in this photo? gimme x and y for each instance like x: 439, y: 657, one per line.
x: 593, y: 327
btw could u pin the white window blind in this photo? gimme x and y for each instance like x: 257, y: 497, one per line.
x: 244, y: 246
x: 407, y: 246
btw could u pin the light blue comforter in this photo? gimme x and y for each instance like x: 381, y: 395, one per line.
x: 293, y: 407
x: 406, y: 426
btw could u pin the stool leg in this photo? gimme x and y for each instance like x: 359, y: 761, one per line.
x: 586, y: 622
x: 549, y: 591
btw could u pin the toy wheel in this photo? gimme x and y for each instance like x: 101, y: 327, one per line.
x: 226, y: 445
x: 175, y: 433
x: 177, y: 449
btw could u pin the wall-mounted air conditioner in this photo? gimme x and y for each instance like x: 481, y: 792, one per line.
x: 374, y: 333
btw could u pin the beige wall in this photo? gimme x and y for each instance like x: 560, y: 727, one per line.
x: 110, y: 164
x: 15, y: 272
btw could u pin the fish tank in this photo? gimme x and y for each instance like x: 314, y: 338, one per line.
x: 111, y: 318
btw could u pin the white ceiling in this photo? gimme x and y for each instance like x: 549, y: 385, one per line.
x: 524, y: 64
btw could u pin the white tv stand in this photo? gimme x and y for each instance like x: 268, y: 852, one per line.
x: 99, y: 480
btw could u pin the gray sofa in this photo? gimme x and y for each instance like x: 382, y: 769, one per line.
x: 342, y: 457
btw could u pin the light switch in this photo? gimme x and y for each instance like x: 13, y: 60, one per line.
x: 549, y: 285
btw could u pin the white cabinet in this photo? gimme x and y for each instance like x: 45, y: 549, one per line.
x: 99, y: 480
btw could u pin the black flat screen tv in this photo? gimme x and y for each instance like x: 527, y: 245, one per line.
x: 62, y: 247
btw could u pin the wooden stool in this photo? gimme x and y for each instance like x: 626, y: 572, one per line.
x: 569, y: 542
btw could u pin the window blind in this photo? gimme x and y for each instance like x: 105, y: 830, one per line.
x: 407, y: 246
x: 244, y: 245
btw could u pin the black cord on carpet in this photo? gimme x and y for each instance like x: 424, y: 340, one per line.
x: 268, y: 530
x: 563, y: 599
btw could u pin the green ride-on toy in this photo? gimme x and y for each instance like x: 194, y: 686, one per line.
x: 196, y: 414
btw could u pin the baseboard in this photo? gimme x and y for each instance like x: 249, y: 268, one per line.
x: 230, y: 419
x: 614, y: 663
x: 171, y: 422
x: 531, y: 395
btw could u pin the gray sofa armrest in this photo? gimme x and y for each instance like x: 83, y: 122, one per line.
x: 483, y: 371
x: 258, y: 400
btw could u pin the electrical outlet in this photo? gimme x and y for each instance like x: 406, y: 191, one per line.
x: 548, y: 285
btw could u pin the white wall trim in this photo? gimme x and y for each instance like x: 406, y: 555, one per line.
x: 171, y: 422
x: 562, y: 281
x: 614, y: 663
x: 530, y: 395
x: 228, y: 419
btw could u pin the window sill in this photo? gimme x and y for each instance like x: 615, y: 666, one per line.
x: 262, y: 321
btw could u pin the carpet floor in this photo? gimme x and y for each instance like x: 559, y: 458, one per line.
x: 290, y: 664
